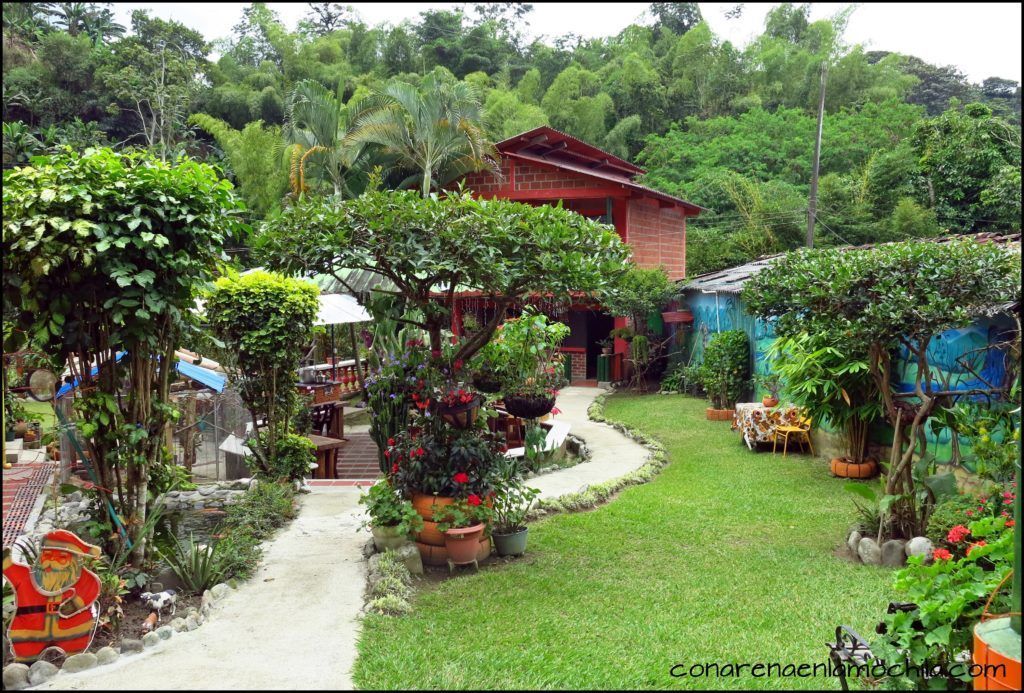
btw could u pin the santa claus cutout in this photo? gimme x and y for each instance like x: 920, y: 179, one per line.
x: 55, y: 598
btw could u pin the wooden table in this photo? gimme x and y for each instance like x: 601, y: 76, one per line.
x: 326, y: 455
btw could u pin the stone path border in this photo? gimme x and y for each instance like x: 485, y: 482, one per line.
x: 611, y: 455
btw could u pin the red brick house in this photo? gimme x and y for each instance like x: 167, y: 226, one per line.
x: 543, y: 166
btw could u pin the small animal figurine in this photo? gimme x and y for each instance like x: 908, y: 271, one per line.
x: 150, y: 622
x: 160, y: 600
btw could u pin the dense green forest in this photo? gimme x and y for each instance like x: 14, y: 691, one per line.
x: 909, y: 148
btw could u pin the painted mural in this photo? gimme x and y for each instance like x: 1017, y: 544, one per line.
x: 961, y: 359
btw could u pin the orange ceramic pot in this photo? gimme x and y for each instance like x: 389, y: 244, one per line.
x: 424, y: 505
x: 463, y: 543
x: 719, y: 414
x: 769, y: 401
x: 997, y: 647
x: 845, y: 469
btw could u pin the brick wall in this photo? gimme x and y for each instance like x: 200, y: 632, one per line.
x: 528, y: 176
x: 579, y: 365
x: 657, y: 236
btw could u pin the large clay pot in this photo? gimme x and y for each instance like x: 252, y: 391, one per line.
x: 719, y: 414
x: 463, y: 543
x: 528, y: 407
x: 846, y: 469
x: 997, y: 647
x: 769, y: 401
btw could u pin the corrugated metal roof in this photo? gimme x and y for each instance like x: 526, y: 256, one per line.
x: 732, y: 280
x: 357, y: 280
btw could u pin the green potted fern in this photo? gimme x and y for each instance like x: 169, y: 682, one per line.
x: 392, y: 518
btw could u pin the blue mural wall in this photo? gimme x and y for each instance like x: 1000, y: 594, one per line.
x: 728, y: 313
x: 960, y: 359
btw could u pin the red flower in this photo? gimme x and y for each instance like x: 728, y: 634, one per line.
x: 473, y: 499
x: 957, y: 534
x: 1010, y: 523
x: 461, y: 478
x: 941, y: 555
x: 394, y: 468
x: 454, y: 339
x: 976, y: 544
x: 387, y: 453
x: 391, y: 441
x: 970, y: 513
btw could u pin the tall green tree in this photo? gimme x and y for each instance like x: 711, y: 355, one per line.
x: 432, y: 133
x: 322, y: 127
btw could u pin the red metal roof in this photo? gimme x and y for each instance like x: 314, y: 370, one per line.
x: 628, y: 183
x: 546, y: 140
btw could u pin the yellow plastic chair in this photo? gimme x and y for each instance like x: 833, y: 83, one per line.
x: 800, y: 432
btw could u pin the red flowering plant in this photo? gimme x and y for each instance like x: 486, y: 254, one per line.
x: 444, y: 461
x: 950, y: 592
x: 465, y: 512
x: 948, y: 523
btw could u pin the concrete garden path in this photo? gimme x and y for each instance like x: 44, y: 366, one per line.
x: 611, y: 453
x: 293, y: 626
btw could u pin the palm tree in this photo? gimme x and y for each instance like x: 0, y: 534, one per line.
x: 100, y: 26
x: 319, y: 123
x: 71, y: 16
x: 433, y: 132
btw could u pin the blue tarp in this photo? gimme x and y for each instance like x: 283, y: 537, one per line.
x: 211, y: 379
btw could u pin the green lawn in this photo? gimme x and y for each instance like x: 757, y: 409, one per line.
x: 727, y: 556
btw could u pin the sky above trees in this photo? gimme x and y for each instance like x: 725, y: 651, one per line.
x: 981, y: 39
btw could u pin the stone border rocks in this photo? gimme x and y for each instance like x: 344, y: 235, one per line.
x: 75, y: 508
x: 892, y: 553
x: 17, y: 676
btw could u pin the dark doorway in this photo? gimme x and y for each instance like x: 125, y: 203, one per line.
x: 599, y: 325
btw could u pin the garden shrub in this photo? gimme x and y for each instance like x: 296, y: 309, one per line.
x: 392, y: 585
x: 950, y: 595
x: 966, y: 508
x: 725, y: 373
x: 262, y: 509
x: 292, y: 458
x: 265, y: 322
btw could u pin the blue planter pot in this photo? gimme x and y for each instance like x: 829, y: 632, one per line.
x: 513, y: 544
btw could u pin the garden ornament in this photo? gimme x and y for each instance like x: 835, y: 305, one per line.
x: 160, y: 600
x: 55, y: 597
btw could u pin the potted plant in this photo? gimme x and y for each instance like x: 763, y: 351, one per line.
x: 512, y: 502
x: 392, y: 519
x: 463, y: 524
x: 724, y: 374
x: 457, y: 405
x: 769, y: 382
x: 834, y: 387
x: 534, y: 370
x: 607, y: 344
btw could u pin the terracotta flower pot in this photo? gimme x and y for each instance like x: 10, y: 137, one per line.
x: 844, y: 468
x: 769, y: 401
x: 719, y: 414
x: 425, y: 505
x: 997, y: 647
x: 528, y: 407
x: 463, y: 543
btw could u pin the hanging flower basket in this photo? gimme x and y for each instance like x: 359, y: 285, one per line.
x: 528, y: 406
x: 486, y: 382
x: 462, y: 415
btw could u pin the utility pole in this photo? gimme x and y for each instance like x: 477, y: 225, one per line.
x: 812, y: 203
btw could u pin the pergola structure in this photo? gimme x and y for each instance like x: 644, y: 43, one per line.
x: 545, y: 166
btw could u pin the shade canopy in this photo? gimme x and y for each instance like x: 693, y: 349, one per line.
x: 340, y: 309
